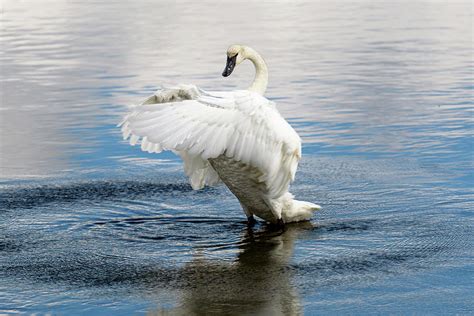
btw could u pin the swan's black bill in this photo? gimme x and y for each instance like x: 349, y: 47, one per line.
x: 229, y: 67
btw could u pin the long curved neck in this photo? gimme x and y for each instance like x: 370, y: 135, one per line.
x: 260, y: 82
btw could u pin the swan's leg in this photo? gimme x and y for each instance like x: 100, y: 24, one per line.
x: 250, y: 219
x: 246, y: 210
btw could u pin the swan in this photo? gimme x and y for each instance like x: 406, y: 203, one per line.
x: 237, y: 137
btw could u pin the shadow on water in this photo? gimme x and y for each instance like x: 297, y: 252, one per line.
x: 25, y: 198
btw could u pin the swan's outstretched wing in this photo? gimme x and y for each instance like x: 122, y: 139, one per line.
x: 199, y: 125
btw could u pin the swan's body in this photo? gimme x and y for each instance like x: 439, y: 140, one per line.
x: 238, y: 137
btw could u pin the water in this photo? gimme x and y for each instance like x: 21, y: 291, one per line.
x: 381, y: 92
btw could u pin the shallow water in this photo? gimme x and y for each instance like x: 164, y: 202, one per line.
x: 381, y: 93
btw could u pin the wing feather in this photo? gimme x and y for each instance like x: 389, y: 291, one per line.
x: 199, y: 125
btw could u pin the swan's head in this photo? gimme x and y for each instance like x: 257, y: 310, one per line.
x: 235, y: 55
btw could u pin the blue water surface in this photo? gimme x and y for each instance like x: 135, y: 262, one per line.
x: 380, y: 92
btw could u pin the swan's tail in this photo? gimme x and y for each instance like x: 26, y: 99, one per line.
x: 297, y: 211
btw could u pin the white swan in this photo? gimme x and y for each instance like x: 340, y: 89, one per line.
x: 238, y: 137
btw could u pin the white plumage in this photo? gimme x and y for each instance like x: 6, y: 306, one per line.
x: 238, y: 137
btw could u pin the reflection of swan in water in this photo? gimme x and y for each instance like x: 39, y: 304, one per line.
x: 257, y: 283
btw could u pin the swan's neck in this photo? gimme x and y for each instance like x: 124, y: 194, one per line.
x: 260, y: 82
